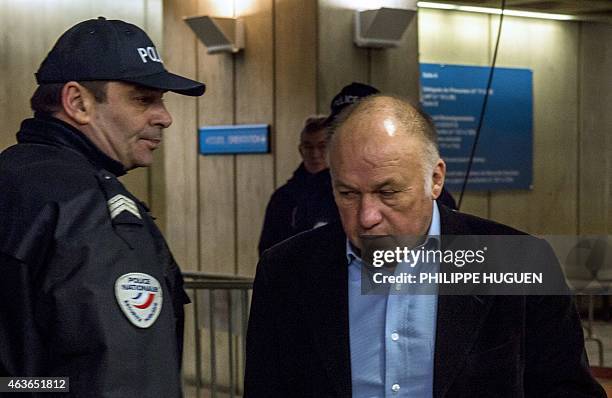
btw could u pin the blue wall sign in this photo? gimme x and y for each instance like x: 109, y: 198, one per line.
x: 241, y: 138
x: 453, y: 95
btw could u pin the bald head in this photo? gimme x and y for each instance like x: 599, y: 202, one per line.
x: 392, y: 119
x: 408, y: 115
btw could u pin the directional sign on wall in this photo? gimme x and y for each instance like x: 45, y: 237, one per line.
x: 234, y: 139
x: 453, y: 95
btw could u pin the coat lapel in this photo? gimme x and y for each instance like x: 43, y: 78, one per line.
x: 458, y: 322
x: 326, y: 299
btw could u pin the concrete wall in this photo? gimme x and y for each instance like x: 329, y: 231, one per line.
x: 595, y: 130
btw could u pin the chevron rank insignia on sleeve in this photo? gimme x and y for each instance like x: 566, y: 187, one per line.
x: 120, y: 203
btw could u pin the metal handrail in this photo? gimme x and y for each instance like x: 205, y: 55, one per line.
x: 198, y: 282
x: 201, y: 280
x: 206, y: 276
x: 220, y: 285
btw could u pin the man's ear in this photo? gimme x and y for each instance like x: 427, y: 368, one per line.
x: 77, y: 103
x: 439, y: 173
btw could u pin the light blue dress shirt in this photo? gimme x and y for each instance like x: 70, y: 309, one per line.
x: 392, y: 336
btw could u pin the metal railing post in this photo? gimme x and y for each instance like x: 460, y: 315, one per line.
x: 213, y: 347
x: 198, y: 344
x: 236, y: 346
x: 230, y: 337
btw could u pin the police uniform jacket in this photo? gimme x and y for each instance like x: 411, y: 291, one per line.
x: 88, y: 287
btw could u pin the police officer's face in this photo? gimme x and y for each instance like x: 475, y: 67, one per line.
x: 130, y: 123
x: 379, y: 178
x: 313, y: 148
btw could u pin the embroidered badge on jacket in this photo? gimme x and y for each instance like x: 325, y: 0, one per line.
x: 140, y: 298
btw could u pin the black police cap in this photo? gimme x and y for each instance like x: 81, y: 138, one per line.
x: 101, y: 49
x: 349, y: 95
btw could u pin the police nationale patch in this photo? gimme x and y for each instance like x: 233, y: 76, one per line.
x: 139, y: 297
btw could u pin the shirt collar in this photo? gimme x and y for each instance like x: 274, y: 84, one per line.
x: 434, y: 230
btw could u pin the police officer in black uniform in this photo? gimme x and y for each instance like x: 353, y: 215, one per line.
x: 88, y: 288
